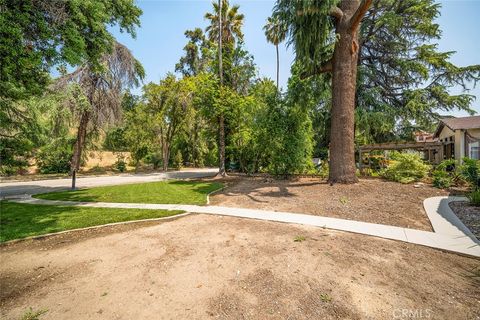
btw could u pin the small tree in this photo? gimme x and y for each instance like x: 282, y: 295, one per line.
x: 100, y: 90
x: 168, y: 104
x: 178, y: 160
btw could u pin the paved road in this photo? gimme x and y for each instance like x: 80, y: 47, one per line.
x: 11, y: 189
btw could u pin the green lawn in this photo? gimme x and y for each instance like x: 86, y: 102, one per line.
x: 167, y: 192
x: 18, y: 220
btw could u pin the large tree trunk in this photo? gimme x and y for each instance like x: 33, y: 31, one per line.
x: 166, y: 156
x: 79, y: 143
x: 278, y: 66
x: 221, y: 145
x: 165, y: 150
x: 221, y: 119
x: 342, y: 149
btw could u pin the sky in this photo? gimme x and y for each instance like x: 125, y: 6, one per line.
x: 160, y: 39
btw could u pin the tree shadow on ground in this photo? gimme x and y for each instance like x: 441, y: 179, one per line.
x: 284, y: 188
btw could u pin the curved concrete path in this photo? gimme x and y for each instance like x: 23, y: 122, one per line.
x: 442, y: 218
x: 458, y: 242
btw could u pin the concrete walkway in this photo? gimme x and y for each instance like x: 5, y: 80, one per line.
x: 442, y: 218
x: 458, y: 242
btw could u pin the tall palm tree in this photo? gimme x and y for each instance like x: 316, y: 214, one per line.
x: 226, y: 27
x: 231, y: 22
x: 275, y: 32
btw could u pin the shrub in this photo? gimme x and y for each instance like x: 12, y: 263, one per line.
x: 289, y: 141
x: 8, y: 170
x: 406, y: 168
x: 211, y: 158
x: 97, y: 169
x: 115, y: 140
x: 121, y: 165
x: 55, y: 157
x: 444, y: 174
x: 470, y: 171
x: 441, y: 179
x: 154, y: 159
x: 474, y: 197
x: 377, y: 162
x: 178, y: 160
x: 14, y: 155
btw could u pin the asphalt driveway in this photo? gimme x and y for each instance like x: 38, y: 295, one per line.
x: 15, y: 189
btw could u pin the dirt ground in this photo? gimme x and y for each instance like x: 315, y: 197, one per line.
x: 371, y: 200
x: 211, y: 267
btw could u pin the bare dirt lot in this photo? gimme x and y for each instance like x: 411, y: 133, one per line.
x: 371, y: 200
x: 211, y: 267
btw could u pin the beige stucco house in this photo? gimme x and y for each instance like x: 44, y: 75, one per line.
x: 460, y: 137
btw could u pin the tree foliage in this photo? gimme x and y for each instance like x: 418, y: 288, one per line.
x: 36, y: 35
x: 100, y: 91
x: 403, y: 77
x: 403, y: 83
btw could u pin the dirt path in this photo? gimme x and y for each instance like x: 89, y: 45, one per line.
x: 371, y: 200
x: 203, y: 266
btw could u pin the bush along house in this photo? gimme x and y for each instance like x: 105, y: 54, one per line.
x: 455, y: 138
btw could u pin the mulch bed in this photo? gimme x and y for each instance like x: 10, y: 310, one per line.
x: 370, y: 200
x: 468, y: 214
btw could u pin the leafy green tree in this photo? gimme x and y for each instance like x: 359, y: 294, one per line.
x: 168, y: 104
x: 36, y: 35
x: 51, y: 123
x: 225, y: 25
x: 19, y: 137
x: 137, y: 134
x: 100, y: 91
x: 325, y: 37
x: 241, y: 69
x: 290, y: 129
x: 314, y: 94
x: 197, y: 138
x: 55, y: 156
x: 275, y: 33
x: 197, y: 54
x: 251, y: 139
x: 403, y: 77
x: 115, y: 140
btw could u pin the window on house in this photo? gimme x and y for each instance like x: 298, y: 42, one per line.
x: 474, y: 150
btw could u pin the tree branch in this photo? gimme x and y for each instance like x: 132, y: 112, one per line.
x: 358, y: 15
x: 324, y: 68
x: 336, y: 12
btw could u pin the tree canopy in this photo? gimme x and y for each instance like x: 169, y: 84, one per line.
x: 367, y: 71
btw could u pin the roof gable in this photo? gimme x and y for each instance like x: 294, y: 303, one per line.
x: 463, y: 123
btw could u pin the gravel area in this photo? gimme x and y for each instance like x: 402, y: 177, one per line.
x: 468, y: 214
x: 370, y: 200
